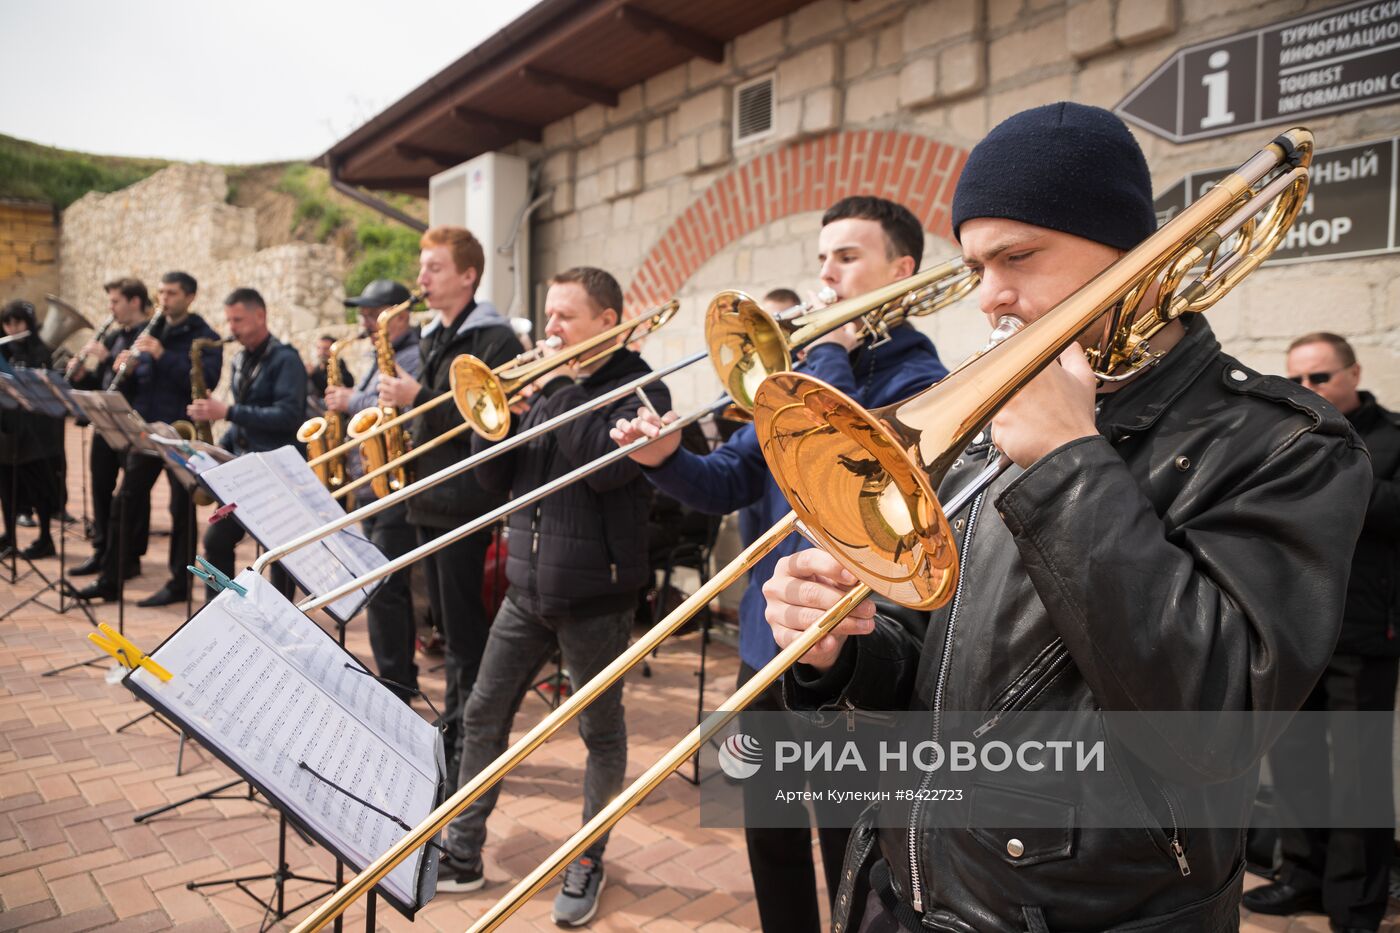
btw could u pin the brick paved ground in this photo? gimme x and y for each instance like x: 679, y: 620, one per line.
x: 71, y: 857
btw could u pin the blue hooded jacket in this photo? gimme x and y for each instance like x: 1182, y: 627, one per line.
x: 735, y: 475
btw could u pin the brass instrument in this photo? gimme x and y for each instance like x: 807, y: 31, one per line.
x: 484, y: 395
x: 125, y: 368
x: 202, y: 430
x: 324, y: 435
x: 61, y: 321
x: 381, y: 449
x: 857, y: 472
x: 747, y: 344
x: 77, y: 367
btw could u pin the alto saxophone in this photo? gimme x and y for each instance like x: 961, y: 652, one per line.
x: 326, y: 432
x: 199, y: 430
x: 392, y: 444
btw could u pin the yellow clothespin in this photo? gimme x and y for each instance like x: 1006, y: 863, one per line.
x: 121, y: 648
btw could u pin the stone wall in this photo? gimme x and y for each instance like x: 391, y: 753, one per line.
x: 870, y: 93
x: 28, y: 250
x: 179, y: 219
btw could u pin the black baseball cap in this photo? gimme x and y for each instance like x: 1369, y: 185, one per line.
x: 381, y: 293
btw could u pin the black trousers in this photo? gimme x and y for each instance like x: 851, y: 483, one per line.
x: 392, y: 637
x: 455, y: 575
x: 37, y: 485
x: 219, y: 543
x: 104, y: 466
x: 1350, y: 867
x: 132, y: 507
x: 780, y: 858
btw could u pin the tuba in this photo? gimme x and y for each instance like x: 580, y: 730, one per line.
x: 61, y: 321
x: 383, y: 447
x: 325, y: 433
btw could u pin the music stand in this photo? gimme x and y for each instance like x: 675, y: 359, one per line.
x: 34, y: 391
x: 113, y: 418
x: 271, y: 694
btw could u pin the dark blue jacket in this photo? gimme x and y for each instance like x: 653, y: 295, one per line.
x: 267, y: 414
x: 735, y: 476
x: 164, y: 384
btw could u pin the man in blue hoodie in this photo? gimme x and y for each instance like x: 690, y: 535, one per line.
x: 865, y: 243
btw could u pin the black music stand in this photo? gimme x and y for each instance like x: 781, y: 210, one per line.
x: 34, y: 393
x: 112, y: 417
x: 252, y: 608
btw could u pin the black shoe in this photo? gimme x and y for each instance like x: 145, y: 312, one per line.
x: 99, y: 590
x: 26, y: 521
x: 68, y: 519
x: 87, y: 568
x: 1339, y: 929
x: 457, y: 877
x: 164, y: 596
x: 1281, y: 899
x: 39, y: 549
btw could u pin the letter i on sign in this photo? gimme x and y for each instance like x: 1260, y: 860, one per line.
x: 1217, y: 85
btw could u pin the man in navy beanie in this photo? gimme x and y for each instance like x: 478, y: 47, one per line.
x: 1175, y: 541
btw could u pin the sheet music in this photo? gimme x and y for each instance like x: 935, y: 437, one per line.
x: 42, y: 399
x: 269, y: 689
x: 97, y: 406
x: 59, y: 386
x: 274, y: 503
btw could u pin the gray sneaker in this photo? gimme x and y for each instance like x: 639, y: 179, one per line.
x: 578, y: 901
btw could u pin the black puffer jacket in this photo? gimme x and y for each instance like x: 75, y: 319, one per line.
x: 1193, y: 557
x: 583, y: 550
x: 483, y: 333
x: 1371, y: 625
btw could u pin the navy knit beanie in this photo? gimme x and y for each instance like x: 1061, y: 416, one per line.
x: 1063, y: 166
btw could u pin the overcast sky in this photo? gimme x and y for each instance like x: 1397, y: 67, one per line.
x: 252, y: 81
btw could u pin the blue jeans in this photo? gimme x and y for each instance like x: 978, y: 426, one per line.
x: 519, y: 644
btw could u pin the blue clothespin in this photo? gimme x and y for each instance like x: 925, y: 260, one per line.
x: 214, y: 577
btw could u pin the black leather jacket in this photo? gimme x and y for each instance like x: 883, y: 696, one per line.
x: 1193, y: 557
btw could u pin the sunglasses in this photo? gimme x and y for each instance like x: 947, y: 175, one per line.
x: 1317, y: 379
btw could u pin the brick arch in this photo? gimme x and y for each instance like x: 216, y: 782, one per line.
x: 916, y: 171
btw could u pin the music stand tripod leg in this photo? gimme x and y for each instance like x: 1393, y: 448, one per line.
x: 274, y: 907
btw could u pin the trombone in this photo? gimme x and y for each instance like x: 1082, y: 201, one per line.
x: 747, y: 343
x: 1140, y: 294
x: 483, y: 395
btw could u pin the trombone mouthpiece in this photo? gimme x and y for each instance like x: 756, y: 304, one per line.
x: 827, y: 295
x: 551, y: 343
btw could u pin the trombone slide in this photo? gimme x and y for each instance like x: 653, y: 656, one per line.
x: 507, y: 761
x: 681, y: 752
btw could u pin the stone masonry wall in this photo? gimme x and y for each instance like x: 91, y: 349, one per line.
x: 655, y: 191
x: 28, y: 250
x: 178, y: 219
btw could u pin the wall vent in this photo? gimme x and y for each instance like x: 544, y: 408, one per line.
x: 754, y: 110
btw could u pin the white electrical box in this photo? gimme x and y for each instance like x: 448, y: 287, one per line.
x: 488, y: 195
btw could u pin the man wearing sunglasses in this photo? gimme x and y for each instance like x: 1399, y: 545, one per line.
x: 1344, y: 872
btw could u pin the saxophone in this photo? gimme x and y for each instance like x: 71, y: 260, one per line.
x: 327, y: 431
x: 199, y: 430
x: 202, y: 430
x: 392, y: 444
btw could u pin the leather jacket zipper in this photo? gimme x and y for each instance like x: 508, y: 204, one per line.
x: 1034, y: 676
x: 915, y: 881
x: 1178, y: 850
